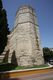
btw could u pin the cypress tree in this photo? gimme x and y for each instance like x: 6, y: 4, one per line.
x: 1, y: 6
x: 4, y: 30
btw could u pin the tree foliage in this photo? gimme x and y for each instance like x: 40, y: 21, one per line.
x: 1, y: 6
x: 4, y: 30
x: 48, y: 54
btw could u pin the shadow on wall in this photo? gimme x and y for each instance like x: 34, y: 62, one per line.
x: 14, y: 59
x: 5, y: 60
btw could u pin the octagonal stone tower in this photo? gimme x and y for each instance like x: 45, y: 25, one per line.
x: 24, y: 40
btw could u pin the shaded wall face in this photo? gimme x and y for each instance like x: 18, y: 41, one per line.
x: 24, y: 38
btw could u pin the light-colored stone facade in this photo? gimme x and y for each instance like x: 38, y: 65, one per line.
x: 24, y: 47
x: 51, y: 49
x: 24, y: 40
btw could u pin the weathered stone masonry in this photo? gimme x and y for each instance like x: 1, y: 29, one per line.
x: 24, y: 41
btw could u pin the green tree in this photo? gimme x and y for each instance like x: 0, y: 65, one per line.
x: 1, y: 6
x: 51, y: 54
x: 4, y: 30
x: 47, y: 54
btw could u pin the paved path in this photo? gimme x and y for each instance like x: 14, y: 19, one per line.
x: 44, y: 76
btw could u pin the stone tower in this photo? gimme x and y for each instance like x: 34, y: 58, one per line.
x: 24, y: 40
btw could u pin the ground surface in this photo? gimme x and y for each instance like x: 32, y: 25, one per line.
x: 40, y: 76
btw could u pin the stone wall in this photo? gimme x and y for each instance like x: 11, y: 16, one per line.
x: 24, y: 40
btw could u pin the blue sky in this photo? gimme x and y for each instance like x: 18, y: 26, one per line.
x: 44, y: 11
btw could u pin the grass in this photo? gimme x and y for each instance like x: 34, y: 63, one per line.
x: 22, y: 67
x: 8, y: 67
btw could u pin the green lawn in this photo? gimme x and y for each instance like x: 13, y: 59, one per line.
x: 22, y: 67
x: 8, y: 67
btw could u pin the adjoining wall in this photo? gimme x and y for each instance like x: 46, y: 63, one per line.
x: 51, y: 49
x: 24, y: 40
